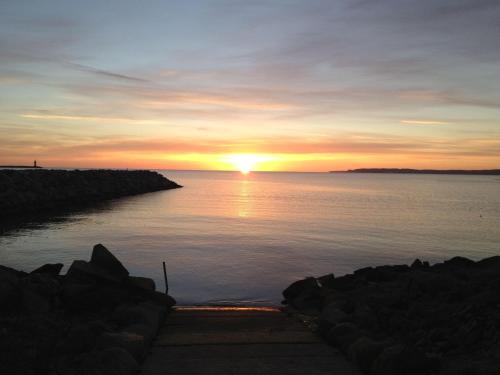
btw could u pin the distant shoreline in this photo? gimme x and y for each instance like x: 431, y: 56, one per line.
x: 482, y: 172
x: 20, y: 166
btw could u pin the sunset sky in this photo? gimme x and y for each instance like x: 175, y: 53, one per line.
x: 283, y: 85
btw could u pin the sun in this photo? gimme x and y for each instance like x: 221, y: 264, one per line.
x: 245, y: 163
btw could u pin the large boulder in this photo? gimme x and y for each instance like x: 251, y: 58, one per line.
x: 304, y: 294
x: 343, y: 335
x: 9, y: 288
x: 102, y: 258
x: 161, y: 299
x: 133, y: 343
x: 52, y: 269
x: 364, y: 351
x: 141, y: 283
x: 308, y: 285
x: 81, y: 270
x: 330, y: 316
x: 145, y: 314
x: 401, y: 359
x: 110, y: 361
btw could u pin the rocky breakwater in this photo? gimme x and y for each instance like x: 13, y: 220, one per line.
x: 96, y: 319
x: 403, y: 320
x: 41, y: 190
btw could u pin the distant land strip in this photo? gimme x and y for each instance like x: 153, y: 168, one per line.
x: 482, y: 172
x: 19, y: 166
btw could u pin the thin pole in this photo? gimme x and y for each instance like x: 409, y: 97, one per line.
x: 165, y: 277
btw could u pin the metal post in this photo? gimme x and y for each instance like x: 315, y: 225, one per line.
x: 165, y: 277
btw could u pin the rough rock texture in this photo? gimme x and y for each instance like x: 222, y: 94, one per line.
x: 418, y: 319
x: 39, y: 190
x: 94, y: 320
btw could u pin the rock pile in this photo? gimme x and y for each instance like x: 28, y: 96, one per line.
x: 418, y: 319
x: 36, y: 191
x: 96, y: 319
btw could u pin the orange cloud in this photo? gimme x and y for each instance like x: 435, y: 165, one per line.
x: 280, y: 153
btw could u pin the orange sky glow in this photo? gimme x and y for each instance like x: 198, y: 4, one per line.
x: 219, y: 87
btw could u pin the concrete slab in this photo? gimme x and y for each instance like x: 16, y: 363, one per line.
x: 241, y: 342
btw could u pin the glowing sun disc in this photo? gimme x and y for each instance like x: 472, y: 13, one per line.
x: 244, y: 162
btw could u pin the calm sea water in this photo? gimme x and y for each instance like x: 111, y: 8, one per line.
x: 230, y: 238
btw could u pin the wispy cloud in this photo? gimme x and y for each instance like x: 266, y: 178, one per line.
x: 53, y: 116
x: 105, y: 73
x: 424, y: 122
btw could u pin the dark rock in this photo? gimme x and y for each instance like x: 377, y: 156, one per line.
x: 146, y: 331
x: 82, y: 337
x: 9, y: 288
x: 141, y: 283
x: 83, y: 271
x: 365, y: 318
x: 344, y: 283
x: 343, y: 335
x: 417, y: 263
x: 143, y: 314
x: 133, y: 343
x: 399, y: 359
x: 110, y: 361
x: 326, y: 280
x: 382, y: 273
x: 161, y: 299
x: 330, y: 316
x: 34, y: 303
x: 102, y: 258
x: 491, y: 262
x: 459, y: 262
x: 306, y: 286
x: 364, y: 351
x: 52, y: 269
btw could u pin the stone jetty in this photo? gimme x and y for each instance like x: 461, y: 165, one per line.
x: 37, y: 191
x: 411, y: 320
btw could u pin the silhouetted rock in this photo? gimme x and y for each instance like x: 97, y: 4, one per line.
x: 85, y: 271
x: 51, y: 268
x: 364, y: 351
x: 143, y: 283
x: 303, y: 294
x: 439, y: 319
x: 93, y: 320
x: 133, y: 343
x: 102, y: 258
x: 112, y: 361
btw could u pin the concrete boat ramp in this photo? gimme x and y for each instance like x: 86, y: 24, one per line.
x: 240, y: 341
